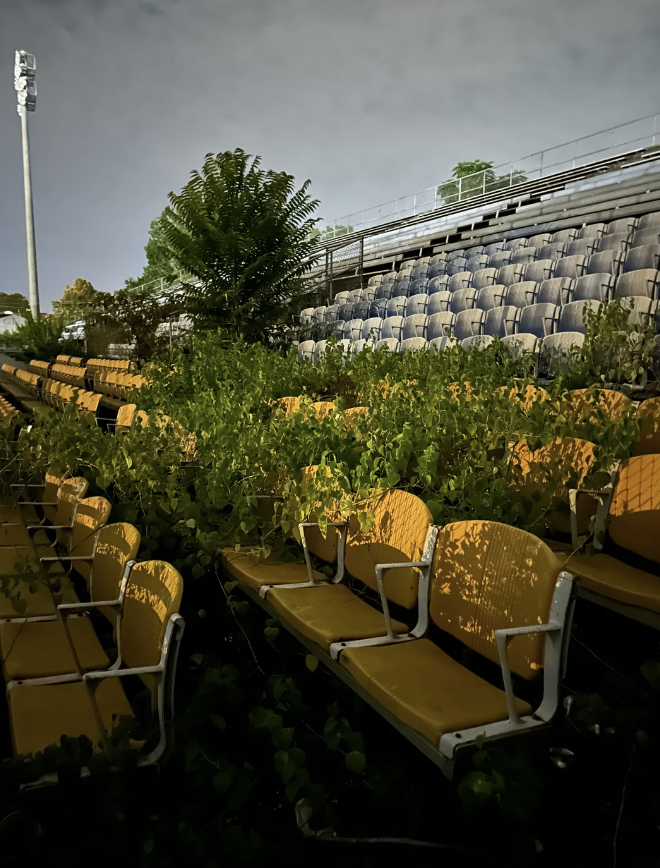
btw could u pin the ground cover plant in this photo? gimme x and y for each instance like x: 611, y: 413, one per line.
x: 273, y: 754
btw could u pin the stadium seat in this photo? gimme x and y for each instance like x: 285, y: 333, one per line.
x: 538, y: 319
x: 438, y: 268
x: 524, y: 255
x: 582, y: 247
x: 540, y: 240
x: 418, y: 286
x: 645, y: 282
x: 542, y: 269
x: 593, y: 286
x: 337, y: 328
x: 639, y: 258
x: 360, y: 344
x: 649, y: 435
x: 642, y: 310
x: 438, y: 284
x: 625, y: 226
x: 509, y: 274
x: 490, y: 297
x: 345, y: 312
x: 438, y: 257
x: 477, y: 250
x: 419, y: 272
x: 461, y: 280
x: 375, y: 280
x: 439, y: 302
x: 372, y: 328
x: 378, y: 308
x: 571, y: 266
x: 456, y: 266
x: 415, y: 326
x: 439, y: 345
x: 397, y: 306
x: 592, y: 230
x: 391, y: 344
x: 557, y: 290
x: 522, y: 294
x: 417, y: 304
x: 332, y: 313
x: 306, y: 316
x: 440, y: 324
x: 413, y: 345
x: 495, y: 247
x: 477, y: 263
x: 616, y: 241
x: 390, y: 276
x: 353, y: 329
x: 385, y: 290
x: 361, y: 309
x: 646, y: 237
x: 557, y: 350
x: 484, y: 277
x: 501, y: 321
x: 320, y: 348
x: 478, y: 342
x: 368, y: 293
x: 498, y: 260
x: 400, y: 287
x: 649, y: 221
x: 423, y: 260
x: 319, y: 314
x: 456, y: 254
x: 571, y: 317
x: 565, y: 236
x: 392, y: 327
x: 521, y: 344
x: 514, y: 244
x: 306, y: 351
x: 463, y: 299
x: 555, y: 250
x: 354, y: 296
x: 468, y: 323
x: 607, y: 262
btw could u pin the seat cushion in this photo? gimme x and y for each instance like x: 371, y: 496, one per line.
x: 267, y: 572
x: 615, y: 579
x: 39, y: 648
x: 41, y: 715
x: 40, y: 602
x: 426, y: 688
x: 330, y: 613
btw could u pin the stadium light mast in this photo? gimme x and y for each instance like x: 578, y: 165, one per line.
x: 25, y: 68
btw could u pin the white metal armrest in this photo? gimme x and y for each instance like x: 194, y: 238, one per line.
x: 502, y: 637
x: 68, y: 558
x: 381, y: 589
x: 114, y: 673
x: 600, y: 493
x: 66, y: 609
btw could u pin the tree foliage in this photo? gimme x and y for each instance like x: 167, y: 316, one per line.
x: 78, y: 300
x: 14, y: 301
x: 476, y: 178
x: 42, y: 338
x: 159, y: 265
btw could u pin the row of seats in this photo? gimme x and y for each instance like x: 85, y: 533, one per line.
x: 75, y: 361
x: 116, y: 384
x: 50, y: 655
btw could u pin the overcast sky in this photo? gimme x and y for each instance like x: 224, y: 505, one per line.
x: 371, y: 99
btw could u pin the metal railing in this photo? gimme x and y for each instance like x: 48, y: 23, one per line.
x: 643, y: 132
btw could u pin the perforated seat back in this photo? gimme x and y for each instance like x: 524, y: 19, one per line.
x: 634, y: 515
x: 397, y: 535
x: 117, y: 544
x: 69, y: 494
x: 487, y: 576
x: 93, y: 513
x: 577, y: 404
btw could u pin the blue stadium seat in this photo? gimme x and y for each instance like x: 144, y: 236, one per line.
x: 501, y: 321
x: 361, y: 309
x: 468, y: 323
x: 378, y: 308
x: 385, y: 290
x: 440, y: 324
x: 556, y: 290
x: 538, y: 319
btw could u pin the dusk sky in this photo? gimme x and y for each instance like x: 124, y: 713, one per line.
x: 371, y: 99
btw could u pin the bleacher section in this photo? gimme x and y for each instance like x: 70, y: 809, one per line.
x: 531, y: 291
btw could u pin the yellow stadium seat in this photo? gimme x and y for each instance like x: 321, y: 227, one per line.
x: 58, y: 513
x: 649, y: 436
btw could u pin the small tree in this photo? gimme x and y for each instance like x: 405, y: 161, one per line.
x: 14, y: 301
x: 159, y: 265
x: 475, y: 178
x: 78, y: 300
x: 241, y: 235
x: 39, y: 338
x: 140, y: 313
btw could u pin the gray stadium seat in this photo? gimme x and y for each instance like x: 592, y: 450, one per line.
x: 413, y: 345
x: 355, y: 296
x: 391, y: 344
x: 468, y: 323
x: 392, y: 327
x: 476, y: 263
x: 415, y: 326
x: 439, y: 302
x: 463, y: 299
x: 643, y: 237
x: 571, y: 318
x: 375, y: 280
x: 645, y: 282
x: 437, y: 268
x: 378, y: 308
x: 484, y: 277
x: 438, y: 284
x: 498, y: 260
x: 593, y: 286
x: 306, y: 316
x: 342, y: 297
x: 625, y: 225
x: 642, y: 311
x: 456, y: 265
x: 571, y: 266
x: 318, y: 315
x: 397, y: 306
x: 615, y: 241
x: 332, y: 313
x: 524, y: 255
x: 306, y: 351
x: 647, y: 256
x: 582, y: 247
x: 521, y: 343
x: 456, y: 254
x: 508, y: 274
x: 439, y: 345
x: 557, y: 350
x: 495, y: 247
x: 417, y: 304
x: 423, y: 260
x: 353, y: 329
x: 542, y: 269
x: 319, y: 351
x: 522, y: 294
x: 438, y: 257
x: 385, y: 290
x: 557, y: 290
x: 460, y: 281
x: 501, y: 321
x: 420, y: 271
x: 514, y: 244
x: 565, y: 236
x: 372, y: 328
x: 609, y: 261
x: 440, y: 324
x: 390, y: 276
x: 419, y: 285
x: 401, y: 287
x: 538, y: 319
x: 358, y: 346
x: 476, y: 342
x: 555, y: 250
x: 490, y: 297
x: 540, y: 240
x: 477, y: 250
x: 592, y: 230
x: 337, y: 328
x: 361, y: 309
x: 649, y: 221
x: 368, y: 293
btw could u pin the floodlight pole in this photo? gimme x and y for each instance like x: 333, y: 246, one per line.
x: 26, y: 89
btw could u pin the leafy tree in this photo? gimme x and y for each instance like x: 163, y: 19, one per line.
x: 14, y: 301
x: 159, y: 265
x: 141, y: 313
x: 78, y: 300
x: 241, y: 236
x: 474, y: 178
x: 331, y: 232
x: 39, y: 338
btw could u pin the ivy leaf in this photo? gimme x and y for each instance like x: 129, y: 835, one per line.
x: 221, y: 783
x: 311, y: 662
x: 355, y: 762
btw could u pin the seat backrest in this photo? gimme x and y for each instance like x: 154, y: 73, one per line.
x: 540, y: 240
x: 439, y: 302
x: 440, y: 324
x: 519, y: 344
x: 320, y: 348
x: 540, y: 270
x: 649, y: 435
x: 582, y: 247
x: 495, y: 247
x: 641, y: 310
x: 331, y: 313
x: 572, y: 316
x: 633, y: 520
x: 463, y: 299
x: 607, y: 262
x: 420, y: 271
x: 647, y: 221
x: 508, y: 274
x: 361, y: 309
x: 453, y: 255
x: 644, y: 282
x: 490, y: 297
x: 501, y: 321
x: 614, y: 241
x: 345, y: 312
x: 456, y: 265
x: 438, y: 284
x: 488, y: 576
x: 556, y: 290
x: 413, y: 345
x: 524, y: 255
x: 305, y: 352
x: 459, y: 281
x: 592, y: 230
x: 393, y: 327
x: 578, y: 403
x: 69, y: 494
x: 415, y: 326
x: 397, y: 306
x: 550, y: 470
x: 554, y: 250
x: 93, y: 513
x: 391, y: 344
x: 117, y: 545
x: 378, y: 308
x: 468, y: 323
x: 565, y: 236
x: 571, y: 266
x: 397, y: 535
x: 593, y: 286
x: 558, y: 348
x: 438, y: 268
x: 417, y: 304
x: 623, y: 226
x: 642, y: 237
x: 325, y: 548
x: 521, y: 294
x: 439, y: 345
x: 484, y: 277
x: 538, y: 319
x: 477, y: 342
x: 500, y: 259
x: 290, y: 405
x: 353, y: 329
x: 371, y: 328
x: 477, y: 263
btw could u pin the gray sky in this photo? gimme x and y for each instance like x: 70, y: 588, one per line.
x: 371, y: 99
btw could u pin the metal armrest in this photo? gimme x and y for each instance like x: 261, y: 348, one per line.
x: 72, y: 608
x: 115, y: 673
x: 36, y: 503
x: 308, y: 561
x: 502, y: 637
x: 68, y: 558
x: 600, y: 493
x: 381, y: 589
